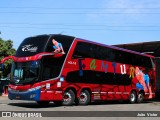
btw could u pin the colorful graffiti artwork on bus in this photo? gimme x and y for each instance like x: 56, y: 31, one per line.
x: 58, y: 48
x: 104, y: 66
x: 142, y: 76
x: 131, y: 73
x: 143, y: 81
x: 93, y: 64
x: 81, y: 67
x: 114, y: 67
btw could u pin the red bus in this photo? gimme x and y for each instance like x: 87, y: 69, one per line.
x: 86, y: 71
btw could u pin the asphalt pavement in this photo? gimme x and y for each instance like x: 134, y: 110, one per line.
x: 102, y: 110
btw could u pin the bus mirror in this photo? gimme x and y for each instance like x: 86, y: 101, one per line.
x: 1, y: 67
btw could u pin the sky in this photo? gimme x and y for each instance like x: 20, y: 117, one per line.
x: 104, y: 21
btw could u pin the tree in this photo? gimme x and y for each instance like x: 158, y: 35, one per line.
x: 6, y: 49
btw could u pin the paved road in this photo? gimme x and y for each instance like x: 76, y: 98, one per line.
x: 13, y: 105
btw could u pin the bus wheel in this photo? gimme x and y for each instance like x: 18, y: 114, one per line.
x: 140, y: 97
x: 68, y: 98
x: 84, y: 98
x: 43, y: 103
x: 132, y: 98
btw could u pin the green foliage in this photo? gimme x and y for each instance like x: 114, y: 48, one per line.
x: 6, y: 49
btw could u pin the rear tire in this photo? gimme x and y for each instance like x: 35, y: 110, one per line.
x: 68, y: 98
x: 140, y: 97
x: 84, y: 98
x: 132, y: 97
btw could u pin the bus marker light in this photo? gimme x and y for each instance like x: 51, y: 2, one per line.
x: 58, y: 84
x: 48, y: 85
x: 61, y: 79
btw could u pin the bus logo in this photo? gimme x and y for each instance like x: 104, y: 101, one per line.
x: 29, y: 48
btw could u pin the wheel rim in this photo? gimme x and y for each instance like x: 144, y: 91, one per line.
x: 83, y: 97
x: 133, y: 97
x: 140, y: 97
x: 67, y: 97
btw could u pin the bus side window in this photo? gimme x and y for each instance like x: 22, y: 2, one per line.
x: 51, y: 67
x: 78, y: 53
x: 46, y: 73
x: 84, y: 50
x: 104, y: 53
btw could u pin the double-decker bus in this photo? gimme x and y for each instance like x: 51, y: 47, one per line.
x: 86, y: 71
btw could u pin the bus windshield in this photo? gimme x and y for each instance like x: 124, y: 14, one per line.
x: 24, y: 72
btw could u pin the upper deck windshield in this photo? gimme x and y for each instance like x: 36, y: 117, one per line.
x: 43, y: 43
x: 24, y: 72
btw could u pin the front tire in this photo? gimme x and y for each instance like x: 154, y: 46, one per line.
x: 68, y: 98
x: 132, y: 97
x: 84, y: 98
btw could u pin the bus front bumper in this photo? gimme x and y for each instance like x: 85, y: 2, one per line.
x: 35, y: 94
x: 30, y: 94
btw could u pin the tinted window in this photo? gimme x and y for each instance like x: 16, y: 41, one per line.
x: 31, y: 46
x: 51, y: 67
x: 66, y: 42
x: 88, y: 50
x: 95, y: 77
x: 104, y: 53
x: 85, y: 50
x: 43, y: 43
x: 25, y: 72
x: 133, y: 59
